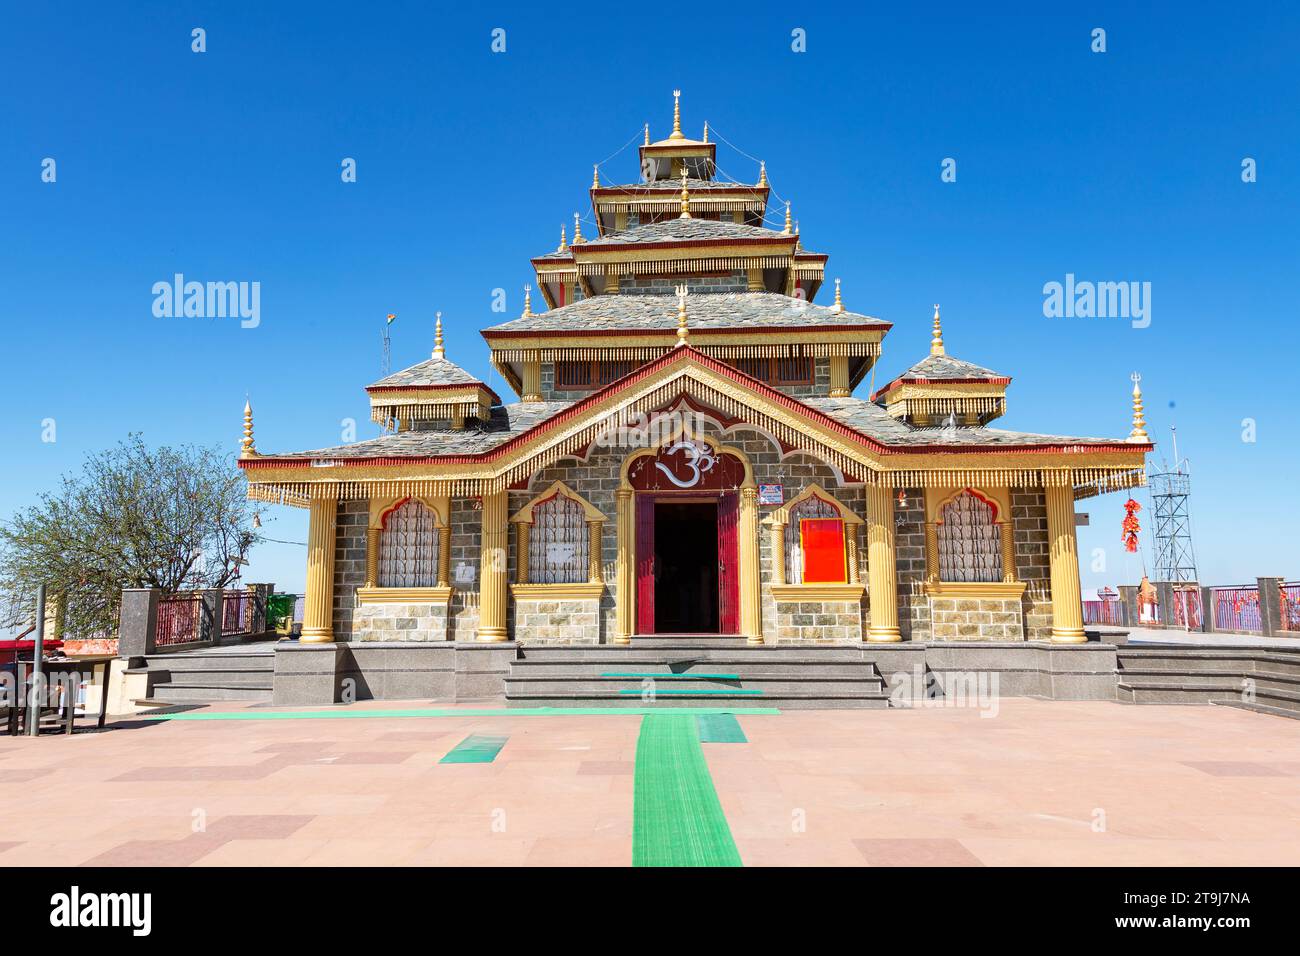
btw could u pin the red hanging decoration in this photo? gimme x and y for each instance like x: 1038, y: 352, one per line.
x: 1131, y: 526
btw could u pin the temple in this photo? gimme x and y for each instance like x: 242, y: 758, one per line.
x: 695, y: 447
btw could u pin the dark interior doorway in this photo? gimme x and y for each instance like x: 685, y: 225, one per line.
x: 686, y: 568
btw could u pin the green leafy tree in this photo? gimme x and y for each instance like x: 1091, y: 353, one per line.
x: 170, y: 518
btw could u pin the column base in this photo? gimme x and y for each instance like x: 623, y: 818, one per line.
x: 316, y: 636
x: 623, y: 640
x: 1069, y: 636
x: 884, y: 635
x: 491, y: 635
x: 754, y: 640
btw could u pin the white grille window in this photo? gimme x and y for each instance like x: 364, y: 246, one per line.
x: 408, y: 548
x: 557, y: 542
x: 970, y: 543
x: 812, y: 507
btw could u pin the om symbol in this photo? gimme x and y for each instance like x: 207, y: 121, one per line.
x: 699, y: 459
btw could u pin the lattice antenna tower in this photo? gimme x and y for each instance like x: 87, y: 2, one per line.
x: 1171, y: 538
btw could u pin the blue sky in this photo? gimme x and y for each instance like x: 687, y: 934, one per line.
x: 225, y: 166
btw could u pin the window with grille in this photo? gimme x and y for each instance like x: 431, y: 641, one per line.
x: 408, y: 548
x: 970, y: 542
x: 557, y: 542
x: 790, y: 370
x: 587, y: 375
x: 810, y: 509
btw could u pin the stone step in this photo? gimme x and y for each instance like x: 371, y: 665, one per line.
x: 662, y: 652
x: 211, y: 660
x: 744, y: 667
x: 199, y: 693
x: 665, y: 687
x: 1208, y: 657
x: 1174, y: 692
x: 787, y: 701
x: 1216, y: 676
x: 242, y: 676
x: 1283, y: 710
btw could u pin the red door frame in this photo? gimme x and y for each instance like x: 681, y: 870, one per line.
x: 645, y: 564
x: 728, y: 560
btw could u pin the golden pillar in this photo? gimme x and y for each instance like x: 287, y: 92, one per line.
x: 751, y: 606
x: 882, y: 576
x: 318, y: 605
x: 1067, y: 604
x: 931, y: 551
x: 372, y: 557
x: 840, y: 377
x: 624, y: 568
x: 522, y: 532
x: 594, y: 529
x: 532, y: 383
x: 444, y: 553
x: 492, y: 570
x: 851, y: 545
x: 1007, y: 531
x: 777, y: 540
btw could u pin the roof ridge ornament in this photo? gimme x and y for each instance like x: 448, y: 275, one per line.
x: 528, y: 301
x: 706, y: 132
x: 677, y: 116
x: 762, y: 173
x: 247, y: 449
x: 936, y: 340
x: 438, y: 350
x: 787, y: 229
x: 839, y: 303
x: 595, y: 175
x: 686, y: 197
x: 647, y: 134
x: 564, y: 241
x: 1139, y: 432
x: 798, y: 242
x: 577, y: 230
x: 683, y: 333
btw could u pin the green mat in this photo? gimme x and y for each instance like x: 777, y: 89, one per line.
x: 476, y: 748
x: 720, y: 729
x: 449, y: 712
x: 687, y: 676
x: 676, y: 817
x: 730, y: 692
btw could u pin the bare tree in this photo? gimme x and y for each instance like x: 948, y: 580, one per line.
x: 170, y: 518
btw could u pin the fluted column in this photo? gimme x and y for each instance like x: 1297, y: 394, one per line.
x: 840, y: 377
x: 777, y: 540
x: 931, y: 551
x: 1067, y: 604
x: 444, y: 554
x: 624, y: 578
x: 882, y: 575
x: 318, y: 604
x: 522, y: 532
x: 492, y: 570
x: 372, y: 557
x: 594, y: 529
x: 851, y: 546
x: 532, y: 382
x: 751, y: 607
x: 1007, y: 531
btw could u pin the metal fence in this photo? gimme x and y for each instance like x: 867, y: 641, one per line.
x: 178, y: 619
x: 1237, y: 608
x: 236, y: 612
x: 1291, y: 606
x: 1103, y: 612
x: 1188, y: 612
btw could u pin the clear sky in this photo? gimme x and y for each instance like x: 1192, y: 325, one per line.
x: 225, y: 166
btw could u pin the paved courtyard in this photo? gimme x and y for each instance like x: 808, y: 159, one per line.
x: 1043, y: 782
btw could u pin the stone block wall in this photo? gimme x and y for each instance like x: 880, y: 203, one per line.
x: 734, y: 281
x: 909, y: 551
x: 1033, y: 560
x: 349, y: 563
x: 816, y: 622
x: 558, y: 622
x: 975, y: 619
x: 466, y: 525
x: 400, y: 622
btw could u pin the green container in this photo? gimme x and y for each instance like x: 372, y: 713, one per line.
x: 279, y: 611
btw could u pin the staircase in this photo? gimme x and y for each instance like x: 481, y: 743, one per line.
x: 685, y: 672
x: 1180, y: 674
x: 191, y: 677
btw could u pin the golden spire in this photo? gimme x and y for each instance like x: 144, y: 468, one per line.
x: 438, y: 350
x: 564, y: 242
x: 246, y: 447
x: 595, y: 175
x: 1139, y: 433
x: 936, y: 340
x: 762, y: 173
x: 682, y: 332
x: 706, y: 131
x: 677, y: 116
x: 528, y: 301
x: 686, y: 198
x: 839, y: 303
x: 577, y: 230
x: 647, y: 134
x: 798, y: 243
x: 787, y: 217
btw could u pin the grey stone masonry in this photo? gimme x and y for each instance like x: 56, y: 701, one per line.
x: 736, y: 281
x: 976, y: 619
x: 466, y: 545
x: 349, y: 563
x: 400, y: 622
x: 1033, y: 561
x: 909, y: 557
x: 817, y: 622
x: 570, y: 621
x: 137, y: 628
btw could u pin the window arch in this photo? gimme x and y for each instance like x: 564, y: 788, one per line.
x: 557, y: 542
x: 408, y: 547
x: 969, y: 539
x: 797, y: 535
x: 814, y: 541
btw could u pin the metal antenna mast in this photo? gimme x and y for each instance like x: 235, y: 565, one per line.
x: 1175, y: 559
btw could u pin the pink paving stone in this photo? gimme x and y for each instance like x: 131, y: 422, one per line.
x: 1234, y: 768
x: 252, y: 826
x: 916, y: 852
x: 608, y: 768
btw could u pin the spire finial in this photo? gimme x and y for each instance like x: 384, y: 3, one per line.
x: 677, y: 115
x: 1139, y: 433
x: 246, y: 447
x: 528, y: 301
x: 787, y: 217
x: 762, y: 173
x: 438, y: 350
x: 798, y: 243
x: 682, y: 332
x: 706, y: 131
x: 595, y: 175
x: 839, y: 303
x: 564, y: 242
x: 936, y: 340
x: 686, y: 198
x: 647, y: 134
x: 577, y: 229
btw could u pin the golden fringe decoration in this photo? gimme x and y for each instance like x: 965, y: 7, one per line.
x: 648, y: 352
x: 657, y: 266
x: 431, y: 411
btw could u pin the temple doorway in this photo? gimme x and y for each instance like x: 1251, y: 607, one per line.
x: 686, y: 567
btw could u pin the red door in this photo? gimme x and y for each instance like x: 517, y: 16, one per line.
x: 645, y: 564
x: 728, y: 566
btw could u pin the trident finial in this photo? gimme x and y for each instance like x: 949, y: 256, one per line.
x: 246, y: 447
x: 839, y: 303
x: 647, y: 134
x: 936, y: 340
x: 686, y: 198
x: 1139, y: 432
x: 438, y: 351
x: 682, y: 332
x: 528, y: 301
x: 677, y: 115
x: 577, y: 230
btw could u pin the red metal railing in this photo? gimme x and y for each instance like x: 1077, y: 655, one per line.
x: 1103, y: 612
x: 178, y: 619
x: 1237, y: 608
x: 1291, y: 606
x: 236, y: 612
x: 1188, y: 612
